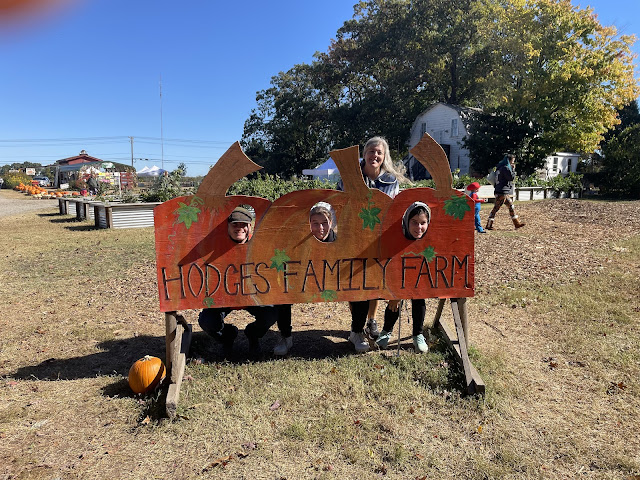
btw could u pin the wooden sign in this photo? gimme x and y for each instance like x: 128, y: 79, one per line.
x: 199, y: 266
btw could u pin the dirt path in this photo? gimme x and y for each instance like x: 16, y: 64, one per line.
x: 16, y: 203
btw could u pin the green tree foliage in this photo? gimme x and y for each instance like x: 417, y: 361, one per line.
x: 621, y: 164
x: 547, y: 75
x: 562, y: 78
x: 287, y: 132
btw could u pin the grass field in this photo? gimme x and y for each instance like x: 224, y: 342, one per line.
x: 555, y: 334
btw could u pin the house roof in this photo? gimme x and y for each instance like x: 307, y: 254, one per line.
x: 82, y: 157
x: 464, y: 113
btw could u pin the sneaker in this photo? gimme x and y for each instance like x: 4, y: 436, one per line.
x: 359, y: 341
x: 383, y: 339
x: 372, y: 328
x: 420, y: 344
x: 283, y: 346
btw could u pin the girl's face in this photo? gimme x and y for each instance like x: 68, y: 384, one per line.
x: 373, y: 158
x: 418, y: 225
x: 320, y: 226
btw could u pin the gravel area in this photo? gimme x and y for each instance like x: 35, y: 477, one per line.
x: 17, y: 203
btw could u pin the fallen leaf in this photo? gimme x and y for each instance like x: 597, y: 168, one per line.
x: 146, y: 420
x: 220, y: 462
x: 274, y: 406
x: 249, y: 446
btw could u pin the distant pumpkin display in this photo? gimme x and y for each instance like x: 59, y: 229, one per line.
x: 145, y: 374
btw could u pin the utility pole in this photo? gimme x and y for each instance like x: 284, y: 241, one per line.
x: 131, y: 140
x: 161, y: 136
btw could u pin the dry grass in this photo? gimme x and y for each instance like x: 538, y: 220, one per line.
x: 559, y: 353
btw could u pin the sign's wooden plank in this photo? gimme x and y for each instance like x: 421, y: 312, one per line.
x: 199, y: 266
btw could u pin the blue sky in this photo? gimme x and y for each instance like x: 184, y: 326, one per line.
x: 88, y: 75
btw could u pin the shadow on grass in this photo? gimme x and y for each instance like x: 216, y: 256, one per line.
x: 82, y: 228
x: 114, y: 357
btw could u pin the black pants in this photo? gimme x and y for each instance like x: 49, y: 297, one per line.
x: 359, y: 313
x: 418, y: 312
x: 211, y: 320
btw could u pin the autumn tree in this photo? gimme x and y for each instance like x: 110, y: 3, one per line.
x: 563, y: 76
x: 547, y: 75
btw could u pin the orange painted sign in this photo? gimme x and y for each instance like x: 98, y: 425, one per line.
x: 199, y: 265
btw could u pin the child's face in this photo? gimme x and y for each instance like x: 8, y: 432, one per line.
x: 320, y: 226
x: 418, y: 225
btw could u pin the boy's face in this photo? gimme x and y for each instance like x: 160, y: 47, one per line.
x: 319, y: 226
x: 239, y: 231
x: 418, y: 225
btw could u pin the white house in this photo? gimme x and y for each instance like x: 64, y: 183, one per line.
x: 560, y: 163
x: 447, y: 124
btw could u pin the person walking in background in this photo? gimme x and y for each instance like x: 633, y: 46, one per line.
x: 378, y: 172
x: 505, y: 174
x: 472, y: 191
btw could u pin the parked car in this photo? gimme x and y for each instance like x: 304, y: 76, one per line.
x: 42, y: 180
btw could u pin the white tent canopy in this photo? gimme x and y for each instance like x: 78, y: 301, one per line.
x: 327, y: 170
x: 150, y: 172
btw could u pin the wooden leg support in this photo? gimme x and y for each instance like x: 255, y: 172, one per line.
x: 178, y: 340
x: 459, y: 342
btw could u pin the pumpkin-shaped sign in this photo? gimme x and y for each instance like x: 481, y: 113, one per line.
x: 199, y: 266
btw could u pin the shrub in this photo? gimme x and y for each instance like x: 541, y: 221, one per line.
x: 12, y: 180
x: 164, y: 188
x: 273, y: 187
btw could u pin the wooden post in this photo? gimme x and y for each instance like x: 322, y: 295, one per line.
x: 459, y: 342
x: 178, y: 339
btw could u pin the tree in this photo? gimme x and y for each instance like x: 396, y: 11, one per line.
x: 563, y: 75
x: 287, y: 132
x: 546, y: 72
x: 621, y: 164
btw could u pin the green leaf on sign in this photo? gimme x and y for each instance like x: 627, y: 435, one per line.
x: 429, y: 253
x: 369, y: 217
x: 208, y: 302
x: 456, y: 207
x: 278, y: 260
x: 329, y: 295
x: 187, y: 214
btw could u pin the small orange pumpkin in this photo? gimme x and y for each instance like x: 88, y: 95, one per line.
x: 146, y: 373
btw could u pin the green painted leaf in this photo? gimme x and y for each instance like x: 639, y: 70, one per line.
x: 277, y: 261
x: 456, y: 207
x: 429, y: 253
x: 369, y: 217
x: 208, y: 302
x: 329, y: 295
x: 187, y: 214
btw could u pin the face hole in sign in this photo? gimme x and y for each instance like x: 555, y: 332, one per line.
x: 322, y: 221
x: 415, y: 220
